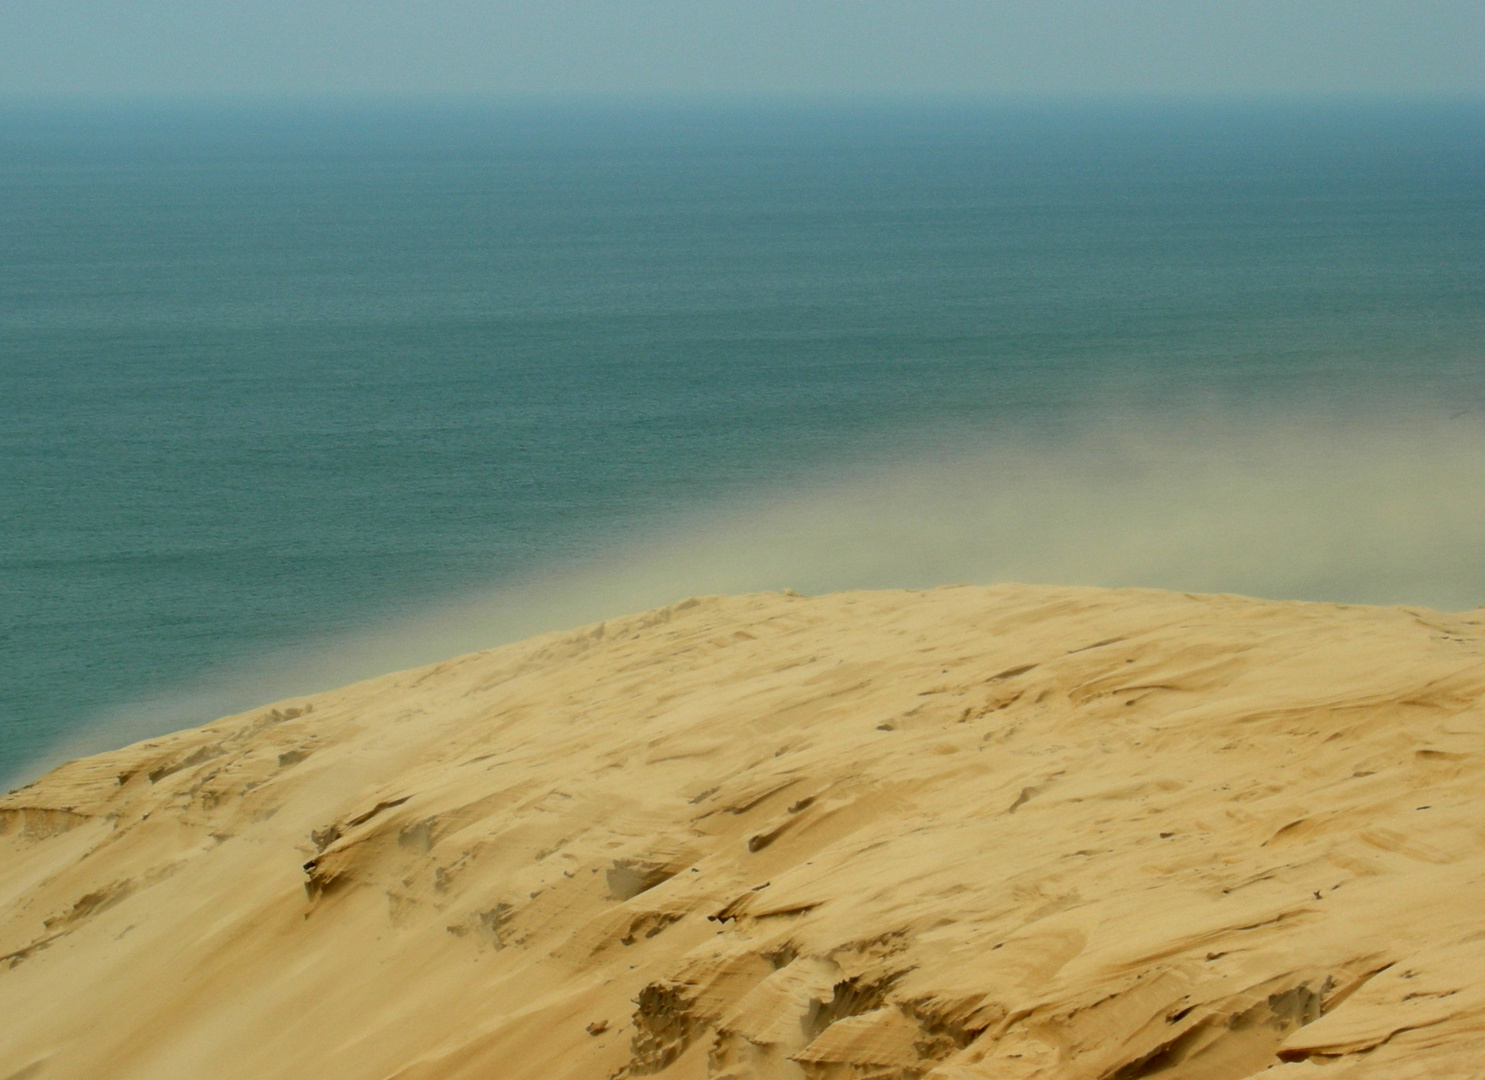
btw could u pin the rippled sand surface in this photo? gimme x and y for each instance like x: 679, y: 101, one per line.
x: 968, y: 833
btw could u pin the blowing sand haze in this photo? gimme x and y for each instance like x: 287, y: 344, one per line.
x: 964, y: 834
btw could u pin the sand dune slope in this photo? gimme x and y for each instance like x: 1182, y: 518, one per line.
x: 969, y: 834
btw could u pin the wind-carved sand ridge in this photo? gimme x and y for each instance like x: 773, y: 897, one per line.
x: 970, y: 833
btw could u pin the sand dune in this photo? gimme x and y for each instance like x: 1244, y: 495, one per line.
x: 965, y: 834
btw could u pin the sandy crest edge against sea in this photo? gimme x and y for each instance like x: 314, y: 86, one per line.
x: 969, y: 833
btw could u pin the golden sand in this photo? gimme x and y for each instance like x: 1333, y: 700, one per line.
x: 965, y: 834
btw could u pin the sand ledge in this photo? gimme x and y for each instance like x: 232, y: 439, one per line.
x: 970, y: 833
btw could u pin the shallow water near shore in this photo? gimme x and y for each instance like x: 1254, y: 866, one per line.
x: 292, y: 397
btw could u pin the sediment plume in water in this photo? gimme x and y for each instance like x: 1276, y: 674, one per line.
x: 1379, y: 507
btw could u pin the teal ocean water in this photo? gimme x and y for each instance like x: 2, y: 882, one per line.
x: 270, y: 377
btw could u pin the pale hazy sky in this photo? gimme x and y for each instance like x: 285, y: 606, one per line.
x: 740, y: 47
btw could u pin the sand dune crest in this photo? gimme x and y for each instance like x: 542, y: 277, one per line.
x: 964, y: 834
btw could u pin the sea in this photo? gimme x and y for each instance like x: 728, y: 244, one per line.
x: 294, y: 393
